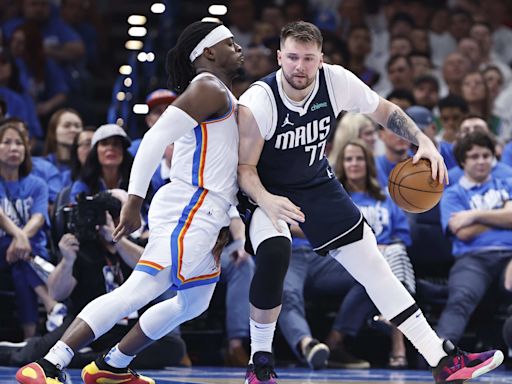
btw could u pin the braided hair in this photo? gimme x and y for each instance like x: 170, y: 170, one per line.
x: 181, y: 71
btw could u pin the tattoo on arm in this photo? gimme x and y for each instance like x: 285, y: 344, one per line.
x: 400, y: 124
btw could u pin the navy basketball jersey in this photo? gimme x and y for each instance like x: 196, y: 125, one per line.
x: 295, y: 155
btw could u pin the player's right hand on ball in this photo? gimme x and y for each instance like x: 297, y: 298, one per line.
x: 281, y: 208
x: 129, y: 220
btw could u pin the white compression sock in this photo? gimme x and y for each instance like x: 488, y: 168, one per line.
x: 117, y: 359
x: 262, y: 336
x: 60, y: 355
x: 423, y: 337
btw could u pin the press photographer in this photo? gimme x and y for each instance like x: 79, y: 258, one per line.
x: 90, y: 263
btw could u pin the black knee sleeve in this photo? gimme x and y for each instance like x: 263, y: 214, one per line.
x: 272, y: 259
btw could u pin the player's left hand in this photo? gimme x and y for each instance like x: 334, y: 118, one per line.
x: 461, y: 219
x: 427, y: 150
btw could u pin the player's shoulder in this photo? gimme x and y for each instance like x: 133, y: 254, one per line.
x: 259, y: 91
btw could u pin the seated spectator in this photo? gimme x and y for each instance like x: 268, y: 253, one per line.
x: 424, y: 119
x: 18, y: 104
x: 455, y: 67
x: 80, y: 150
x: 426, y: 91
x: 40, y: 76
x: 108, y: 163
x: 63, y: 127
x: 452, y: 109
x: 477, y: 213
x: 24, y: 203
x: 388, y: 222
x: 476, y: 95
x: 401, y: 97
x: 91, y: 265
x: 352, y: 126
x: 61, y: 42
x: 494, y: 82
x: 78, y: 14
x: 40, y: 167
x: 359, y: 43
x: 471, y: 124
x: 421, y: 64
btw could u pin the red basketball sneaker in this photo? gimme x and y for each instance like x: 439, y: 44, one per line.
x: 40, y: 372
x: 100, y: 372
x: 460, y: 366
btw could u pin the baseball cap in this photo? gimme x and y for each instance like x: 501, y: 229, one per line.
x: 420, y: 115
x: 110, y: 130
x: 160, y: 96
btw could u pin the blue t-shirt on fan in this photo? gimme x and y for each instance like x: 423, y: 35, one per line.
x: 492, y: 194
x: 22, y: 199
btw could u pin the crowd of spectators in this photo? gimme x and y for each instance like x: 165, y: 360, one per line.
x: 446, y: 63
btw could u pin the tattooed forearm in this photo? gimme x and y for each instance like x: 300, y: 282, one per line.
x: 403, y: 126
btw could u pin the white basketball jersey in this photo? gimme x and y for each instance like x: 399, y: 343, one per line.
x: 207, y: 157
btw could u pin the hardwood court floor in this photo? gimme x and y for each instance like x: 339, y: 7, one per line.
x: 215, y: 375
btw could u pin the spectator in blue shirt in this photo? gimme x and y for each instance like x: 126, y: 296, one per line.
x: 61, y: 42
x: 24, y: 203
x: 40, y: 76
x: 470, y: 124
x: 18, y: 104
x: 477, y: 213
x: 63, y: 127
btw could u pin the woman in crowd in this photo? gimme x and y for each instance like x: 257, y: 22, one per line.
x: 24, y: 203
x: 108, y: 163
x: 357, y: 173
x: 63, y: 127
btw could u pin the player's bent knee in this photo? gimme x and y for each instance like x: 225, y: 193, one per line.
x: 272, y: 259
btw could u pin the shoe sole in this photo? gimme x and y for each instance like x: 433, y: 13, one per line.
x: 488, y: 366
x: 319, y: 355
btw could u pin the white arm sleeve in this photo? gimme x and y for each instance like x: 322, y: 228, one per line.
x: 258, y: 98
x: 348, y: 92
x: 173, y: 124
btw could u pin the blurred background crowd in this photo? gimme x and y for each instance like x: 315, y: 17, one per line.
x: 82, y: 80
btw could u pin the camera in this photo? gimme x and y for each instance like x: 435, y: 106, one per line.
x: 82, y: 218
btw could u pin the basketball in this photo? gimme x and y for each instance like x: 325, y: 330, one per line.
x: 412, y: 188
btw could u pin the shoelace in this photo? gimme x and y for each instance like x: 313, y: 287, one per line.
x: 133, y: 372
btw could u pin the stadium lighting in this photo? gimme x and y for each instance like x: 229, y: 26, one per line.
x: 217, y: 9
x: 137, y: 20
x: 150, y: 56
x: 137, y: 31
x: 128, y: 82
x: 212, y: 19
x: 140, y: 109
x: 121, y: 96
x: 134, y: 45
x: 142, y: 57
x: 125, y: 70
x: 120, y: 121
x: 158, y: 8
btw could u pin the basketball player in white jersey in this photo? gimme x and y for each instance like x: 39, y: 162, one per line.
x: 185, y: 217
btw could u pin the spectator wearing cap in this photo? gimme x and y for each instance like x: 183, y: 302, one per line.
x: 108, y: 164
x: 424, y: 119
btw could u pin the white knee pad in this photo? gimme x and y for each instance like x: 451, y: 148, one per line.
x: 262, y: 229
x: 163, y: 317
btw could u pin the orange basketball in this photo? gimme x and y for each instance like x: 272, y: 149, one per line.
x: 412, y: 188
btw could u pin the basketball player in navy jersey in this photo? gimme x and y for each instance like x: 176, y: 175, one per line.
x: 285, y: 120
